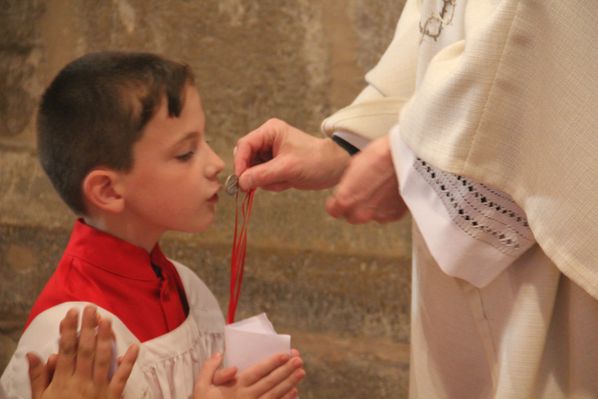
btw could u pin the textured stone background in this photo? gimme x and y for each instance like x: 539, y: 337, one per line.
x: 341, y: 291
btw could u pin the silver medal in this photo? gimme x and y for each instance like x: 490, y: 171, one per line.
x: 231, y: 185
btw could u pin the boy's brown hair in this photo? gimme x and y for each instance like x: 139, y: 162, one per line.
x: 95, y: 110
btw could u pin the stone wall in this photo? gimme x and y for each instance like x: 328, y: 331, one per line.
x: 341, y: 291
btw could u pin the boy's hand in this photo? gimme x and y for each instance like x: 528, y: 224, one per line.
x: 80, y: 370
x: 274, y: 378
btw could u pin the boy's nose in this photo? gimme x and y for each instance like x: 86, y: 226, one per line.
x: 216, y: 164
x: 219, y: 163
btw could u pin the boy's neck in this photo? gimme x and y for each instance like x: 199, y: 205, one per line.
x: 125, y: 231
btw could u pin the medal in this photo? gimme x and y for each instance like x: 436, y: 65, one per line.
x: 231, y: 185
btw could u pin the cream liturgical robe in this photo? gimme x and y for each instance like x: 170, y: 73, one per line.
x: 512, y: 105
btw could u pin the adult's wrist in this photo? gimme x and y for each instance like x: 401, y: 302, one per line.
x: 337, y: 160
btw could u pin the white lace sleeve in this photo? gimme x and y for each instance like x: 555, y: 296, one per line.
x: 473, y: 231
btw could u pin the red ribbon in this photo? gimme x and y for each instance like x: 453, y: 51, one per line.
x: 237, y: 260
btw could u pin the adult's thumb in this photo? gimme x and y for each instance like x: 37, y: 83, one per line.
x: 265, y: 174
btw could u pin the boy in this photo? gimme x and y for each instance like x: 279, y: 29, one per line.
x: 121, y: 137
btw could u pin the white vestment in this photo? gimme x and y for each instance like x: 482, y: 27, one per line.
x: 512, y: 106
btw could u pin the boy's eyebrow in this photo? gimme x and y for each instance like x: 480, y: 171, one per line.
x: 188, y: 136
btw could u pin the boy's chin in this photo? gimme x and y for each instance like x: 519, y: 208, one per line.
x: 198, y: 227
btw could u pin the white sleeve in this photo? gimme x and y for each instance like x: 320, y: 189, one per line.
x: 390, y: 84
x: 473, y: 231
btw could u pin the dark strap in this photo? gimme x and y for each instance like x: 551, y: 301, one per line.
x: 350, y: 148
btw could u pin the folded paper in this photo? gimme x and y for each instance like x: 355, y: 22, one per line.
x: 252, y: 340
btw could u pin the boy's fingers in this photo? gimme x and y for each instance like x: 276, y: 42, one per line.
x: 292, y: 394
x: 87, y: 342
x: 38, y: 375
x: 263, y: 368
x: 286, y: 387
x: 67, y: 345
x: 222, y: 376
x: 119, y: 380
x: 104, y: 351
x: 51, y: 365
x: 281, y: 380
x: 206, y: 374
x: 70, y: 320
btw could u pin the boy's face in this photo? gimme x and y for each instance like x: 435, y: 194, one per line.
x: 173, y: 184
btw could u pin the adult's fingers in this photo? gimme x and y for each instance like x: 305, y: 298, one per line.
x: 272, y: 175
x: 338, y: 205
x: 383, y: 204
x: 354, y: 188
x: 257, y: 145
x: 67, y: 345
x: 120, y: 377
x: 38, y: 375
x: 87, y: 342
x: 258, y: 371
x: 104, y: 351
x: 369, y: 189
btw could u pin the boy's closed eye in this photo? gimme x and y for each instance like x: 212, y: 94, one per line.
x: 188, y: 150
x: 185, y: 156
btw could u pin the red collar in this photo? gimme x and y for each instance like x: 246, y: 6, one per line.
x: 113, y: 254
x: 119, y: 277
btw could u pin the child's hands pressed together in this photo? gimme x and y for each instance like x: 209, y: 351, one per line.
x: 81, y: 367
x: 274, y: 378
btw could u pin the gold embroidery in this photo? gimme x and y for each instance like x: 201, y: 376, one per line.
x: 434, y: 24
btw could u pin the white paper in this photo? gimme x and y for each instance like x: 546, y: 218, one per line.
x: 252, y: 340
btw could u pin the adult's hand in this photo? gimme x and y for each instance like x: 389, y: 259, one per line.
x: 277, y: 156
x: 369, y: 188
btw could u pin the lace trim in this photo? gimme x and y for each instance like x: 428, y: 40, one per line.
x: 481, y: 212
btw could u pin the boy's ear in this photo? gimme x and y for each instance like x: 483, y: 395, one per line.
x: 101, y: 189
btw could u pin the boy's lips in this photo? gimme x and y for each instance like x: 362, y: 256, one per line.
x: 213, y: 198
